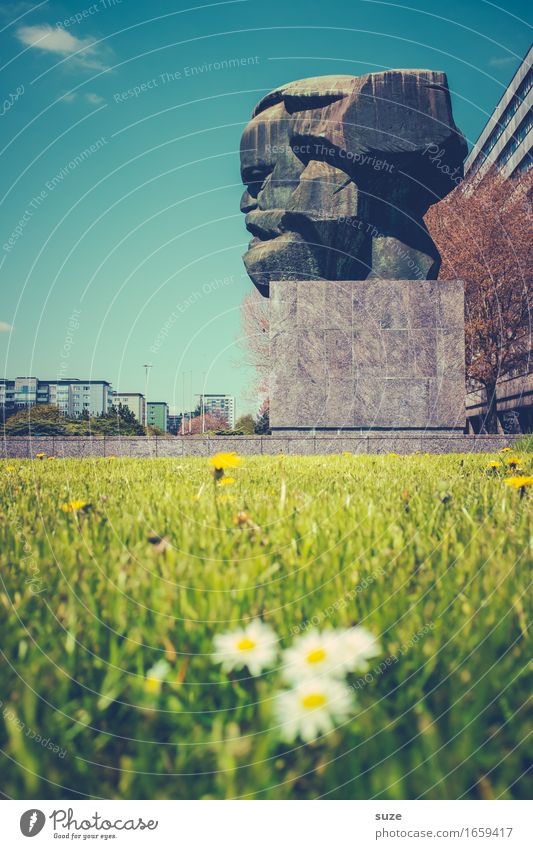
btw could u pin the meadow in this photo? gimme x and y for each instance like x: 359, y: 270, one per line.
x: 120, y: 579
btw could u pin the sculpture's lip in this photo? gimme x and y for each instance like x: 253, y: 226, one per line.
x: 256, y: 242
x: 281, y: 241
x: 266, y: 226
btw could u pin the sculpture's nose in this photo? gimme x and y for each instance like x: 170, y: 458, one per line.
x: 248, y: 203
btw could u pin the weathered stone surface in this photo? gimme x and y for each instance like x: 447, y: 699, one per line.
x: 283, y: 312
x: 386, y: 367
x: 340, y: 171
x: 312, y: 355
x: 444, y: 408
x: 339, y: 354
x: 340, y: 402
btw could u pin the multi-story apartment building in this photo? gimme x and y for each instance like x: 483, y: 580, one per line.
x: 221, y: 406
x: 134, y: 401
x: 507, y: 138
x: 174, y: 424
x: 506, y: 142
x: 73, y: 396
x: 157, y: 415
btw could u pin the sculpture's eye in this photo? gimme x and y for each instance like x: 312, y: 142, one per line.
x: 255, y: 178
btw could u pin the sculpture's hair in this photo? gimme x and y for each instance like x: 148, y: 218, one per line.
x: 308, y: 94
x: 318, y: 92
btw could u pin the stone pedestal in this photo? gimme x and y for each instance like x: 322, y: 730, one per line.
x: 367, y: 355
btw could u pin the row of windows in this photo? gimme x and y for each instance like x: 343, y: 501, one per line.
x: 510, y: 110
x: 525, y: 165
x: 518, y: 137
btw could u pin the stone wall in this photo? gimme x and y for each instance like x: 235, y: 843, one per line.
x: 205, y: 446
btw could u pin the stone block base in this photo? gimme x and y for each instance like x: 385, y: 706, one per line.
x: 367, y: 355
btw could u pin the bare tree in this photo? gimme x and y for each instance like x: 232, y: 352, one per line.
x: 483, y: 232
x: 255, y: 339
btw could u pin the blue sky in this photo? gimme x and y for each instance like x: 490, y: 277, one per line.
x: 120, y: 171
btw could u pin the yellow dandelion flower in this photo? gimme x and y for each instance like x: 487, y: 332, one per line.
x: 152, y: 686
x: 519, y: 481
x: 494, y: 464
x: 51, y: 458
x: 10, y: 468
x: 225, y: 460
x: 75, y: 506
x: 41, y: 455
x: 513, y: 462
x: 226, y: 481
x: 503, y: 450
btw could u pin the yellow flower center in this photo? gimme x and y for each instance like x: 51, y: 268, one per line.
x: 246, y: 644
x: 313, y: 700
x: 316, y: 656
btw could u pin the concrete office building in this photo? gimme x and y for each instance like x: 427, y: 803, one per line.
x: 157, y: 415
x: 507, y: 137
x: 221, y: 406
x: 134, y: 401
x: 72, y: 395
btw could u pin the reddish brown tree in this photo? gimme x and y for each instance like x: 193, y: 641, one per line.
x: 483, y: 232
x: 204, y: 424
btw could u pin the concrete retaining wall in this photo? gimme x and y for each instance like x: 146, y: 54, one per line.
x: 205, y: 446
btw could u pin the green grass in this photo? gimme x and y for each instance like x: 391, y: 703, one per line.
x: 429, y: 553
x: 525, y: 443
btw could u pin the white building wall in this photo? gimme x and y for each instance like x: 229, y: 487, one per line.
x: 134, y: 402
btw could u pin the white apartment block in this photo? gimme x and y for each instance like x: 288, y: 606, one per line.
x: 73, y: 396
x: 222, y: 406
x: 134, y: 401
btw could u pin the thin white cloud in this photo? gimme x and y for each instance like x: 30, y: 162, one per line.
x: 500, y: 61
x: 89, y: 97
x: 5, y: 327
x: 93, y: 98
x: 61, y: 43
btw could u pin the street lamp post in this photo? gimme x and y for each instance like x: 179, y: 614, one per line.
x: 146, y: 367
x: 183, y: 410
x: 191, y: 403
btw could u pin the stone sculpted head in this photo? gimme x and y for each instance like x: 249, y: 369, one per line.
x: 340, y: 171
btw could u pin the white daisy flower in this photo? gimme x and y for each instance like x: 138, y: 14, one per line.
x: 156, y: 676
x: 254, y: 646
x: 359, y: 646
x: 315, y: 654
x: 312, y: 708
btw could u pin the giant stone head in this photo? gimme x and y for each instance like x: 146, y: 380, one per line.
x: 340, y: 171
